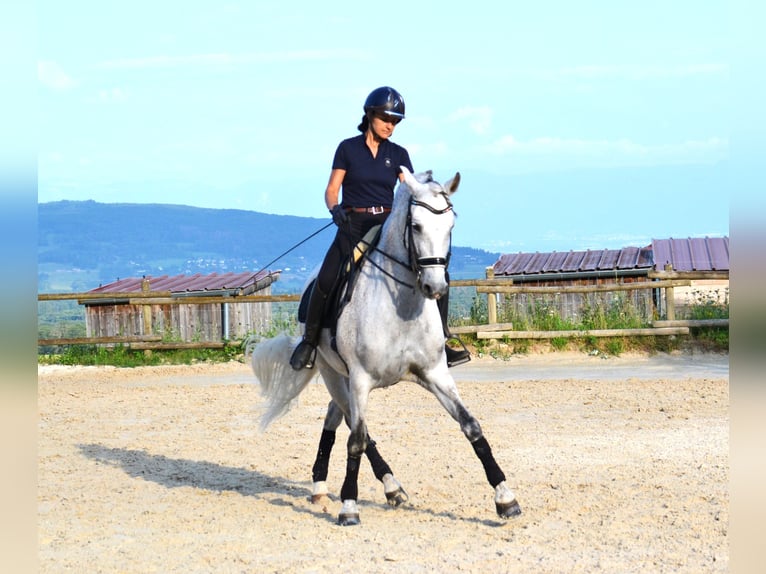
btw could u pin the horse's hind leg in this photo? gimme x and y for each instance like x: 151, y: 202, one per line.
x: 332, y: 421
x: 395, y: 494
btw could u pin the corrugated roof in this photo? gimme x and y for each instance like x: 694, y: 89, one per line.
x: 692, y: 253
x: 247, y: 281
x: 573, y: 261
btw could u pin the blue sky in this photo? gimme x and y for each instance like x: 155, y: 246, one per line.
x: 588, y: 125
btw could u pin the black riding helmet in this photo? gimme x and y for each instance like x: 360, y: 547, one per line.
x: 386, y: 101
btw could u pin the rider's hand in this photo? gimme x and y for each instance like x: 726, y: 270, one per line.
x: 339, y: 215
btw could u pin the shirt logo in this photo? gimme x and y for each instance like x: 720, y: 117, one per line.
x: 387, y: 161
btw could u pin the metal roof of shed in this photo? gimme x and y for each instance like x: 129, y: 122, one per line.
x: 691, y: 254
x: 245, y: 282
x: 573, y: 261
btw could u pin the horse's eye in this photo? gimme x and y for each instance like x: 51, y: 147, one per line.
x: 417, y: 228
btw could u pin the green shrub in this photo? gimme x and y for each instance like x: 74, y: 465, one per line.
x: 614, y: 347
x: 559, y: 343
x: 708, y: 304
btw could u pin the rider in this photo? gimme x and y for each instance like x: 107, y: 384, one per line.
x: 367, y: 167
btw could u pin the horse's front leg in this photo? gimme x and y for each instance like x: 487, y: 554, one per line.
x: 447, y: 394
x: 349, y: 492
x: 357, y: 444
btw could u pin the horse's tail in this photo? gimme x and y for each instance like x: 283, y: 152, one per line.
x: 280, y: 384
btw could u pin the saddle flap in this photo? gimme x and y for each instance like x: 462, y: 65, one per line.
x: 370, y: 238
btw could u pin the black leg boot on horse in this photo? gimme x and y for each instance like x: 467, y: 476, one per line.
x: 304, y: 354
x: 454, y: 356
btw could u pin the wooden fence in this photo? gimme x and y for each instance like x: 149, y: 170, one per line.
x: 666, y: 280
x: 491, y: 286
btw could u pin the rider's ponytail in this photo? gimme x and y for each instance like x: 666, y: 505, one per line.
x: 362, y: 127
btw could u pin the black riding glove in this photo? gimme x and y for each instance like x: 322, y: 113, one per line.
x: 339, y: 216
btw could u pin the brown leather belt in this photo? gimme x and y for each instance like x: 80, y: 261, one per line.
x: 373, y: 210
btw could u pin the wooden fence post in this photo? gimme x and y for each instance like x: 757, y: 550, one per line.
x: 491, y: 299
x: 146, y: 310
x: 670, y: 298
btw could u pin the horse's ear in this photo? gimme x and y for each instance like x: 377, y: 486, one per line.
x: 409, y: 178
x: 451, y: 186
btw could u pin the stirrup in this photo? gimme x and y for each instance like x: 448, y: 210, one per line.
x: 303, y: 356
x: 456, y: 357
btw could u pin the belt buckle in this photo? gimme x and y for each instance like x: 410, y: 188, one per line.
x: 376, y: 210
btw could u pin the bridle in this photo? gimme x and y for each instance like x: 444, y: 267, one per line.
x: 416, y: 263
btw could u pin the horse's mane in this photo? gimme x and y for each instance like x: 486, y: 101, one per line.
x: 395, y: 223
x: 402, y: 197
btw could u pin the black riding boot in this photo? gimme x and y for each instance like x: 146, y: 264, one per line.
x: 304, y: 353
x: 454, y: 356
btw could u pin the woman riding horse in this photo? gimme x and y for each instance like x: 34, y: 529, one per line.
x: 390, y: 331
x: 367, y: 167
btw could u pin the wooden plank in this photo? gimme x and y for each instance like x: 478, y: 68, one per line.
x: 647, y: 332
x: 583, y: 288
x: 691, y: 275
x: 98, y: 340
x: 480, y: 282
x: 692, y: 323
x: 97, y: 296
x: 163, y: 297
x: 185, y: 345
x: 202, y: 300
x: 474, y: 328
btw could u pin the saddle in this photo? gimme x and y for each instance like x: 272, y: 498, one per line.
x: 341, y: 293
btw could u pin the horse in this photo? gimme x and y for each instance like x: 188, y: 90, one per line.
x: 389, y: 331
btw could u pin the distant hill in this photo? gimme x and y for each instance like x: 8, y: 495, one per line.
x: 83, y: 244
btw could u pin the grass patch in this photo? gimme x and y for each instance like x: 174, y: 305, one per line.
x: 122, y: 356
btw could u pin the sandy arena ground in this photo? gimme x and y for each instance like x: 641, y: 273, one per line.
x: 619, y: 464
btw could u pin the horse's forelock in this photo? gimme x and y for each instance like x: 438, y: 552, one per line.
x: 425, y: 188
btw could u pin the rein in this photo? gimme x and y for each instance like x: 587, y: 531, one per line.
x: 317, y: 232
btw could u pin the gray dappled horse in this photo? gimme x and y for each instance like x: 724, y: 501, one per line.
x: 390, y: 331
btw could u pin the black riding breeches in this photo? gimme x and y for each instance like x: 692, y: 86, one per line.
x: 340, y: 250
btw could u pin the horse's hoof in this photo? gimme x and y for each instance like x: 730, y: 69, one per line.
x: 349, y: 519
x: 508, y: 509
x: 349, y: 513
x: 321, y: 500
x: 397, y: 497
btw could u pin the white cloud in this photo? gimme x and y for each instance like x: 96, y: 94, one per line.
x: 712, y: 148
x: 591, y: 72
x: 112, y: 95
x: 478, y: 118
x: 51, y: 75
x: 234, y: 59
x: 427, y: 151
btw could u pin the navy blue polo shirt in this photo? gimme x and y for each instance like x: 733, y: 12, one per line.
x: 369, y: 181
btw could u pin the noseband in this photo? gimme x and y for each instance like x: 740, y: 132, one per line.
x: 418, y: 263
